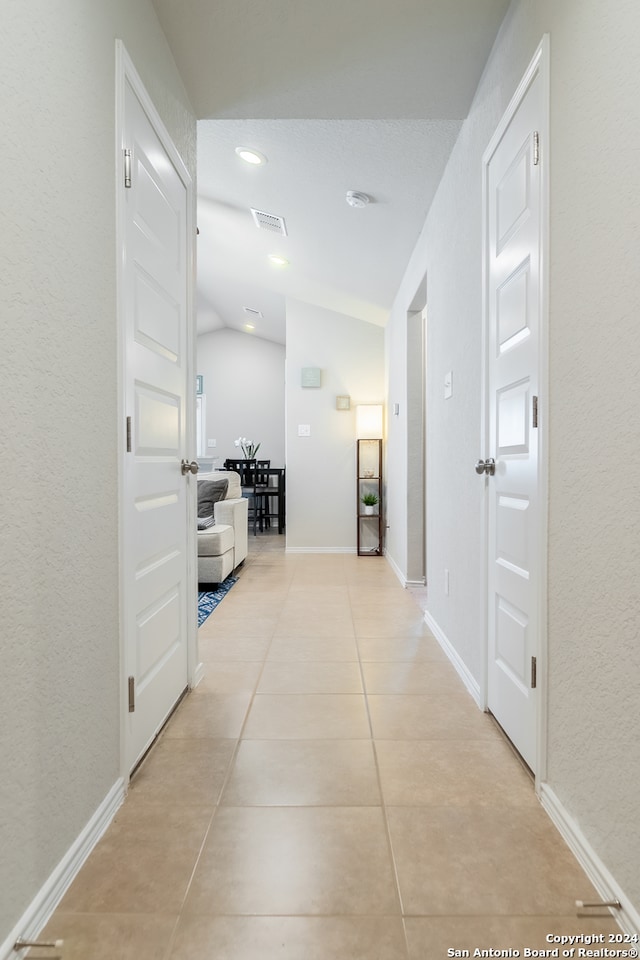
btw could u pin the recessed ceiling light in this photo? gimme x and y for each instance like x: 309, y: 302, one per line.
x: 251, y: 156
x: 249, y: 326
x: 278, y: 261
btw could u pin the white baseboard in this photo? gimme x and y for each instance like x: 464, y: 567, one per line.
x: 396, y: 569
x: 628, y: 917
x: 198, y: 675
x: 466, y: 676
x: 38, y: 913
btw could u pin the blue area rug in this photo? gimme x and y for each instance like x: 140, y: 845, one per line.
x: 208, y: 600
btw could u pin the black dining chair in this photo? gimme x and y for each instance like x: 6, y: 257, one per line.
x: 247, y: 469
x: 262, y: 491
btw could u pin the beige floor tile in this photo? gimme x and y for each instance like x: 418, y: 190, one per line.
x: 241, y: 626
x: 303, y: 773
x: 183, y: 772
x: 429, y: 677
x: 405, y: 625
x: 451, y: 717
x: 261, y: 585
x: 171, y: 825
x: 307, y: 717
x: 390, y: 650
x: 149, y: 879
x: 216, y: 715
x: 483, y: 861
x: 321, y: 596
x: 97, y: 936
x: 229, y: 677
x: 295, y: 861
x: 289, y: 938
x: 317, y: 649
x: 452, y: 773
x: 314, y: 579
x: 434, y: 936
x: 304, y: 625
x: 310, y: 677
x: 366, y: 593
x: 238, y: 648
x: 369, y: 608
x: 256, y: 586
x: 308, y: 608
x: 247, y: 604
x: 300, y: 829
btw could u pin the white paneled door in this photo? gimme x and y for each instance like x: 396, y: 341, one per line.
x: 156, y: 371
x: 513, y: 290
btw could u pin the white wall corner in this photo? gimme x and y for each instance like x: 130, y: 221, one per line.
x: 463, y: 671
x: 605, y: 883
x: 39, y: 911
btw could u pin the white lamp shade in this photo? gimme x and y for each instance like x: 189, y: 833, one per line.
x: 369, y: 421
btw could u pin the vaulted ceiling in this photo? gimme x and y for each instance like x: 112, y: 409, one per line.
x: 361, y: 95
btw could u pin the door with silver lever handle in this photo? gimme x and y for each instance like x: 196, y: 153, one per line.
x: 487, y: 466
x: 187, y: 467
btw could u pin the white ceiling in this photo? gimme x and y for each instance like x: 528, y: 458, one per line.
x: 334, y: 63
x: 345, y: 259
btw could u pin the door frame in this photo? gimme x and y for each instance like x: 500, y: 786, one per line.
x: 126, y: 72
x: 539, y: 67
x: 416, y: 379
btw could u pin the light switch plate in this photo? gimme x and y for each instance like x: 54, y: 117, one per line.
x: 212, y: 443
x: 304, y: 429
x: 448, y: 385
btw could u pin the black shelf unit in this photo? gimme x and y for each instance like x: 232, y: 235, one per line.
x: 369, y: 480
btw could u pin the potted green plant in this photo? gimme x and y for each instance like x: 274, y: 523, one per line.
x: 369, y: 500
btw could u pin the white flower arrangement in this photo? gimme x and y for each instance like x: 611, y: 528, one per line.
x: 248, y: 447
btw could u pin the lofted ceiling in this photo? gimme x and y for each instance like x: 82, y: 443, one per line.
x: 382, y: 89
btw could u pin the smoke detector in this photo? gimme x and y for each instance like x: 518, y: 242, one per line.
x: 357, y: 199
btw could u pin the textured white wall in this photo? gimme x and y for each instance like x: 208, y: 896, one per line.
x: 321, y: 469
x: 59, y: 645
x: 244, y: 387
x: 594, y: 544
x: 593, y: 424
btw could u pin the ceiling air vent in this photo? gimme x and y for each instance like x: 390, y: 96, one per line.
x: 251, y: 312
x: 269, y: 221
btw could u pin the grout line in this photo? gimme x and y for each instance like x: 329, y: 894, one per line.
x: 383, y: 806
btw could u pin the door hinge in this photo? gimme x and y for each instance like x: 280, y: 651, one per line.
x: 534, y: 673
x: 128, y: 434
x: 536, y: 148
x: 534, y: 412
x: 132, y: 694
x: 127, y: 168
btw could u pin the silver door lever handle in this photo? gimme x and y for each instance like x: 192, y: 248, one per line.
x: 487, y: 466
x: 187, y: 467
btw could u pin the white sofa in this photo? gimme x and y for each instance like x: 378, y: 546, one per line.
x: 223, y: 546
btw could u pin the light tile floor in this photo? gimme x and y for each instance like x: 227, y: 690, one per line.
x: 329, y: 791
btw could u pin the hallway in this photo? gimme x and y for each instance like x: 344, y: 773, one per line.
x: 330, y: 790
